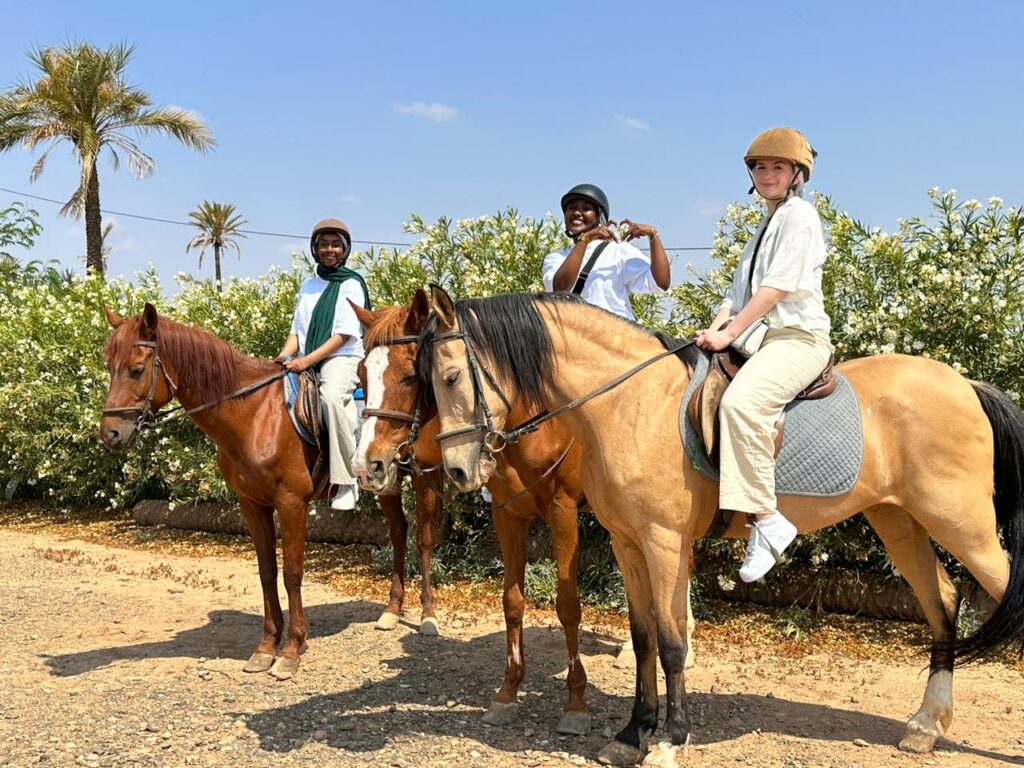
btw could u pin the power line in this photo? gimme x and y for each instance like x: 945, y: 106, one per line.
x: 255, y: 231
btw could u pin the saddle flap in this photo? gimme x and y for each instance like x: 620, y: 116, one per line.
x: 307, y: 404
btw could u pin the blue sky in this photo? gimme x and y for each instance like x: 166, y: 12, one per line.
x: 367, y: 111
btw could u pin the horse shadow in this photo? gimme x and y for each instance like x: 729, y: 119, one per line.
x: 445, y: 695
x: 227, y: 634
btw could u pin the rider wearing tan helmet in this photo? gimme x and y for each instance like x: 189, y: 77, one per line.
x: 326, y: 334
x: 778, y: 278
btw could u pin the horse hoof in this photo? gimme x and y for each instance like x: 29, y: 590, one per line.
x: 618, y: 753
x: 664, y: 754
x: 259, y: 662
x: 428, y: 627
x: 917, y: 741
x: 501, y: 713
x: 284, y: 668
x: 575, y: 723
x: 387, y: 621
x: 626, y: 658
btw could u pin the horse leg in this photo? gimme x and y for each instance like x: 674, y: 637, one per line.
x: 398, y: 529
x: 630, y: 743
x: 564, y: 524
x: 292, y: 515
x: 911, y: 552
x: 627, y: 658
x: 671, y: 596
x: 511, y: 533
x: 260, y: 522
x: 429, y: 509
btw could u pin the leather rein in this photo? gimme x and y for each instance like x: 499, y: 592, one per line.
x: 496, y: 440
x: 148, y: 417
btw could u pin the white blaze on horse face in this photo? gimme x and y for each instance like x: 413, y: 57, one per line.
x: 376, y: 363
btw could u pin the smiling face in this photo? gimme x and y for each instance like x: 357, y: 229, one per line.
x: 773, y: 177
x: 580, y: 215
x: 330, y: 249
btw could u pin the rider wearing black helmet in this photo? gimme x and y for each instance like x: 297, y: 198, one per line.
x: 619, y: 267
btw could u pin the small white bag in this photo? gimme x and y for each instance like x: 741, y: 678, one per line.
x: 748, y: 342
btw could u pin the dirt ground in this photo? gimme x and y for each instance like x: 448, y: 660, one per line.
x: 126, y: 656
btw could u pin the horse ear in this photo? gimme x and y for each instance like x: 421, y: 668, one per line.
x: 420, y: 311
x: 443, y: 306
x: 365, y: 316
x: 149, y: 320
x: 114, y: 320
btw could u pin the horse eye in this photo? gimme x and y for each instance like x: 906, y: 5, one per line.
x: 408, y: 380
x: 137, y: 372
x: 451, y: 378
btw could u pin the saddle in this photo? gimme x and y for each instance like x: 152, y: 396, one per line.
x: 702, y: 410
x: 302, y: 398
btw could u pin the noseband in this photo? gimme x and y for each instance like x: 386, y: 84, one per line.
x: 146, y: 415
x: 493, y: 441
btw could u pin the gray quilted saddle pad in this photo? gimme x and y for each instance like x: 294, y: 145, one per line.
x: 822, y: 448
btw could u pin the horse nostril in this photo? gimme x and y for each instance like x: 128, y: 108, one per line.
x: 113, y: 435
x: 376, y: 469
x: 457, y: 475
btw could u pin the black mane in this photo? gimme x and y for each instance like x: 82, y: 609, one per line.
x: 508, y: 331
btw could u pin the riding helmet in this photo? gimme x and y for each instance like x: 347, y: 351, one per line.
x: 330, y: 225
x: 590, y: 192
x: 786, y: 144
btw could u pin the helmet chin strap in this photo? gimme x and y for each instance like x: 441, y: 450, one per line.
x: 789, y: 190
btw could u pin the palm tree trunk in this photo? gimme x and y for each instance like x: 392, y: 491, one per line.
x: 93, y: 226
x: 216, y: 262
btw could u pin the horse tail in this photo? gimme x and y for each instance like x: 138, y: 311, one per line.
x: 1006, y: 624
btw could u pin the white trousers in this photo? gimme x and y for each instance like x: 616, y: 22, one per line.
x: 789, y: 360
x: 338, y: 381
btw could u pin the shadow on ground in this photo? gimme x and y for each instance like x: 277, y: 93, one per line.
x: 227, y: 634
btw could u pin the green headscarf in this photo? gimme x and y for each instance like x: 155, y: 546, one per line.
x: 321, y: 324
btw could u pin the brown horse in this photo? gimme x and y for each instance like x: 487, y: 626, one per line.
x: 152, y: 360
x: 943, y: 460
x: 537, y: 479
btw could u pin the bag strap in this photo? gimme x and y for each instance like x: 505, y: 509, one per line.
x: 757, y: 248
x: 581, y: 280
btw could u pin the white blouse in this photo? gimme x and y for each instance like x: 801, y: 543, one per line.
x: 345, y: 321
x: 791, y: 258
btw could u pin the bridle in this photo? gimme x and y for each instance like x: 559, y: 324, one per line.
x: 148, y: 417
x: 405, y: 452
x: 493, y: 440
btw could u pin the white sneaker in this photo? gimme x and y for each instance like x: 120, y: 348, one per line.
x: 768, y: 538
x: 345, y: 498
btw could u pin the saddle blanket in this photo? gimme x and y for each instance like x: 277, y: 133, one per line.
x: 822, y: 447
x: 291, y: 395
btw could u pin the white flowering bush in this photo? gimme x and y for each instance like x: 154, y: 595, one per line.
x: 53, y: 382
x: 478, y: 257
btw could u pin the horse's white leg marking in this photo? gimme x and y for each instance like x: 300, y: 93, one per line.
x: 376, y: 363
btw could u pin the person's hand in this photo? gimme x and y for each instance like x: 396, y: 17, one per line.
x: 638, y: 230
x: 600, y: 232
x: 714, y: 341
x: 297, y: 364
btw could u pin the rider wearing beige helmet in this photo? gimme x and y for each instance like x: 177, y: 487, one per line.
x: 326, y: 333
x: 778, y: 278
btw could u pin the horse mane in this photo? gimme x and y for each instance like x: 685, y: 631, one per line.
x: 389, y: 323
x: 203, y: 364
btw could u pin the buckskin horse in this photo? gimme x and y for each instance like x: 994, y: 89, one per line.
x: 943, y: 460
x: 152, y: 360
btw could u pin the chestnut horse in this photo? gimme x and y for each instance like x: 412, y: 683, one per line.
x: 943, y: 460
x: 152, y: 360
x: 537, y: 479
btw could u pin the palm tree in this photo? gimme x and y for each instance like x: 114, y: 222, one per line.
x: 218, y: 225
x: 82, y: 97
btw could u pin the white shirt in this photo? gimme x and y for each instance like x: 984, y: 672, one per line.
x: 620, y: 270
x: 791, y: 258
x: 345, y: 321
